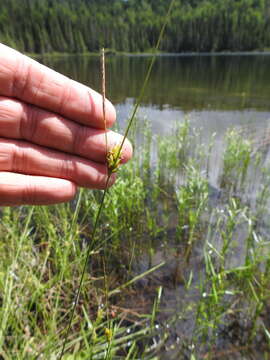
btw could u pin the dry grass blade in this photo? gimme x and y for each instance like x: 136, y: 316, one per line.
x: 103, y: 91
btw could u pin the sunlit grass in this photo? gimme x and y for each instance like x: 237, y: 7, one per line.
x: 163, y: 226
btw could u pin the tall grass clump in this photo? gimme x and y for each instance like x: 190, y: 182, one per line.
x: 208, y: 252
x: 173, y: 152
x: 233, y: 292
x: 38, y: 280
x: 192, y: 201
x: 236, y: 160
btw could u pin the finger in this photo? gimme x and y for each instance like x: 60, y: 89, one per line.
x: 22, y: 157
x: 18, y: 189
x: 23, y: 121
x: 27, y: 80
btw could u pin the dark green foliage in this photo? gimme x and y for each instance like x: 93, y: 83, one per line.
x: 133, y: 25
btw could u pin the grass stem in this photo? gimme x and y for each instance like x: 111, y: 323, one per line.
x: 84, y: 269
x: 117, y: 159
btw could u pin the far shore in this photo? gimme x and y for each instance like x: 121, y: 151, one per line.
x: 160, y: 54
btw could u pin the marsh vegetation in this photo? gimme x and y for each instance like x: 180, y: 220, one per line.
x: 178, y: 268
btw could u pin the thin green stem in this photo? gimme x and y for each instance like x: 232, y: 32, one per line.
x: 103, y: 92
x: 84, y: 268
x: 146, y: 80
x: 117, y: 158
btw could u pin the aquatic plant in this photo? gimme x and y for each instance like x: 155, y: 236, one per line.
x: 192, y: 198
x: 223, y: 290
x: 174, y: 155
x: 236, y: 159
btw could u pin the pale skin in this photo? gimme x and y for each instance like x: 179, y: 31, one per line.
x: 52, y: 137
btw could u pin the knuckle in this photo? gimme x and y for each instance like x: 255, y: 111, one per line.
x: 67, y: 168
x: 19, y: 158
x: 6, y: 111
x: 79, y: 137
x: 65, y: 95
x: 6, y: 155
x: 21, y: 77
x: 9, y: 110
x: 28, y: 122
x: 29, y: 192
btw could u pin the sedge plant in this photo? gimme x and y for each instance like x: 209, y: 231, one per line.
x: 113, y: 161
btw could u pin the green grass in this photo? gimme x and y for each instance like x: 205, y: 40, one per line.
x: 160, y: 228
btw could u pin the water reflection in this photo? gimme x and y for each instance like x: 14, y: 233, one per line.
x: 215, y: 91
x: 187, y: 83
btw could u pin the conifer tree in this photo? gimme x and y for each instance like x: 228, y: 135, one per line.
x: 133, y: 25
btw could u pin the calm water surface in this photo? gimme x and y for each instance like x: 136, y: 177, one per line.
x: 216, y: 91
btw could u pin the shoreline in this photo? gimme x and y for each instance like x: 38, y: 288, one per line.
x: 158, y: 54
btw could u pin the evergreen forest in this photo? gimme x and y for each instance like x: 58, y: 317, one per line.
x: 78, y: 26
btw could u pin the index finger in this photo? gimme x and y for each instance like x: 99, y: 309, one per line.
x: 34, y: 83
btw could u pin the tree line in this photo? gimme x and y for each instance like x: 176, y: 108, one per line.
x: 76, y: 26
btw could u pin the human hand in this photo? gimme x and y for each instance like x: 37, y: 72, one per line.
x: 52, y: 136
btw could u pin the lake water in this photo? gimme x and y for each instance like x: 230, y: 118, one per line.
x: 216, y: 91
